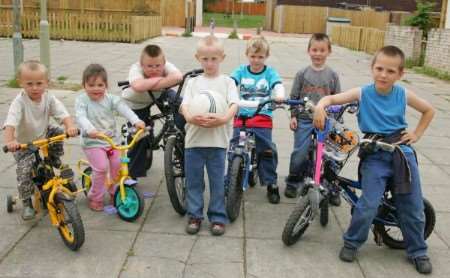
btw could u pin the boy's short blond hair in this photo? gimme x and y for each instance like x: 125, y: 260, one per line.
x: 33, y: 65
x: 258, y: 44
x: 391, y: 51
x: 210, y: 41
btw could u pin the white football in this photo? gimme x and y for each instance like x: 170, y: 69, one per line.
x: 207, y: 101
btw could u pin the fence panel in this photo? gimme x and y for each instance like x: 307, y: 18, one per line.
x: 370, y: 19
x: 93, y: 26
x: 358, y: 38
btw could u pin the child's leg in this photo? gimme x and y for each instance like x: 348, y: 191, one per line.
x: 410, y: 213
x: 55, y: 150
x: 215, y: 167
x: 138, y: 154
x: 25, y: 160
x: 267, y: 154
x: 376, y: 169
x: 194, y: 164
x: 114, y: 167
x: 299, y: 156
x: 99, y: 162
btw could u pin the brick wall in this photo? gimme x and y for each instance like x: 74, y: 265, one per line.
x: 437, y: 54
x: 407, y: 38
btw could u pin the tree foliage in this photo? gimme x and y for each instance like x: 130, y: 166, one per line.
x: 422, y: 17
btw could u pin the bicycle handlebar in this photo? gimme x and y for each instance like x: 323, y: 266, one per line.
x: 113, y: 145
x: 41, y: 142
x: 382, y: 145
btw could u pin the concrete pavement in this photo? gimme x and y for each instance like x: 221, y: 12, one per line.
x: 157, y: 246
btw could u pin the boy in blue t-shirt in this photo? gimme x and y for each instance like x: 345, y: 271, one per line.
x: 382, y: 109
x: 257, y: 81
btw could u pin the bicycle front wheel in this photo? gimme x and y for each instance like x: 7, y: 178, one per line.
x: 70, y: 226
x: 234, y: 195
x: 174, y: 172
x: 132, y: 206
x: 298, y: 221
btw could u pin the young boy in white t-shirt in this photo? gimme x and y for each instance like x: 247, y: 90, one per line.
x: 28, y: 120
x: 151, y: 75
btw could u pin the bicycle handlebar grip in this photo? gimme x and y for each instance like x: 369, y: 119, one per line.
x: 123, y: 83
x: 334, y: 108
x: 295, y: 102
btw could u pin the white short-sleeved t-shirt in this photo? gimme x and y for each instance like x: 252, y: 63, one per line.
x: 197, y: 136
x: 139, y: 100
x: 31, y: 119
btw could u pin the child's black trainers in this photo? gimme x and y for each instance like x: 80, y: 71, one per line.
x: 193, y: 226
x: 272, y: 194
x: 422, y: 264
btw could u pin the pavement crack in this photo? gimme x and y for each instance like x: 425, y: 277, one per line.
x: 189, y: 257
x: 139, y: 231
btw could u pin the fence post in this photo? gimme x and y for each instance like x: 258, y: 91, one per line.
x: 17, y: 37
x: 44, y: 36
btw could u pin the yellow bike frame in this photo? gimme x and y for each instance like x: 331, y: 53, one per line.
x: 123, y: 171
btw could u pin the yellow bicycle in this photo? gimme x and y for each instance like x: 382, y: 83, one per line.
x: 128, y: 200
x: 56, y: 191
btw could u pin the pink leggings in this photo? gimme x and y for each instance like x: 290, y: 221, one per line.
x: 100, y: 162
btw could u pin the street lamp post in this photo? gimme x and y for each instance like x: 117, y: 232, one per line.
x: 44, y: 36
x: 17, y: 36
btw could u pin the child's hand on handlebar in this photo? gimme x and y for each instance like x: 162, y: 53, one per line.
x: 293, y: 124
x: 94, y: 134
x: 139, y: 125
x: 72, y: 131
x: 13, y: 145
x: 319, y: 117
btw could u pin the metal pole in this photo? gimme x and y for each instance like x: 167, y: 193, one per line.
x: 17, y: 36
x: 44, y: 36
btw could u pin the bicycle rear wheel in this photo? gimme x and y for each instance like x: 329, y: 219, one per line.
x: 234, y: 195
x: 70, y: 227
x: 174, y: 172
x: 393, y: 237
x: 298, y: 221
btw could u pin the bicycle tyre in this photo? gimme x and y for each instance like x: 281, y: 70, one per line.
x: 391, y: 242
x: 292, y: 231
x: 86, y: 180
x: 9, y: 203
x: 234, y: 196
x: 133, y: 208
x: 148, y: 158
x: 324, y: 211
x: 72, y: 237
x: 175, y: 185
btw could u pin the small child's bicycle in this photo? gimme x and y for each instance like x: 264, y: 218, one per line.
x: 333, y: 146
x: 56, y: 192
x: 128, y: 200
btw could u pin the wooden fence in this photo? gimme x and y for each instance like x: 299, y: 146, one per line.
x: 92, y: 26
x: 308, y: 19
x: 171, y: 11
x: 358, y: 38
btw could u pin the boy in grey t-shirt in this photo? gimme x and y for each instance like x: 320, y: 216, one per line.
x: 314, y: 82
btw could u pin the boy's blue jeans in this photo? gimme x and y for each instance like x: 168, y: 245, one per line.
x: 196, y: 159
x: 376, y: 169
x: 266, y: 152
x: 299, y: 157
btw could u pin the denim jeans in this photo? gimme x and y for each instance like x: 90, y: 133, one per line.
x: 267, y: 163
x: 299, y: 157
x: 195, y: 160
x: 376, y: 170
x: 137, y: 154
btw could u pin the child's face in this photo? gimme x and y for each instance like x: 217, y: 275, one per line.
x: 257, y: 60
x: 318, y: 52
x: 34, y: 83
x: 95, y: 87
x: 153, y: 66
x: 386, y: 71
x: 210, y: 58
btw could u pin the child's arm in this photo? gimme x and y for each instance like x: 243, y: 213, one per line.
x: 295, y: 94
x: 427, y: 111
x: 198, y: 120
x: 345, y: 97
x: 83, y: 120
x: 279, y: 93
x: 10, y: 139
x: 69, y: 126
x: 215, y: 120
x: 126, y: 112
x: 141, y: 83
